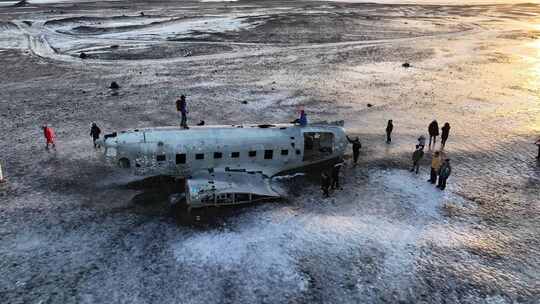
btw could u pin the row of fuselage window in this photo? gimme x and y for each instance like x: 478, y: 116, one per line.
x: 182, y: 158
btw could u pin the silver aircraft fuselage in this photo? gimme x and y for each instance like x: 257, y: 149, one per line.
x: 268, y: 149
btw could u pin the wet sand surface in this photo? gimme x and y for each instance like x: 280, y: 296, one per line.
x: 71, y: 232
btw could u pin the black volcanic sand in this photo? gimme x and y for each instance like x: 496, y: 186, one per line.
x: 75, y: 229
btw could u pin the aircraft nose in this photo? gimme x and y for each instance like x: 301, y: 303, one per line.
x: 106, y: 143
x: 100, y: 142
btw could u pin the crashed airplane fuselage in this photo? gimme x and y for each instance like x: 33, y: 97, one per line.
x: 220, y: 160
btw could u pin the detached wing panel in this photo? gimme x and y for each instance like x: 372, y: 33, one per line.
x: 228, y: 188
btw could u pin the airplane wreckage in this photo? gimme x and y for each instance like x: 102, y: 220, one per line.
x: 226, y: 165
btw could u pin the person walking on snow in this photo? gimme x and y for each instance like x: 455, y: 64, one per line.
x: 181, y: 107
x: 538, y: 144
x: 444, y: 173
x: 94, y: 132
x: 50, y: 137
x: 422, y: 141
x: 444, y: 135
x: 389, y: 129
x: 356, y: 145
x: 2, y: 179
x: 433, y: 130
x: 416, y: 157
x: 436, y: 161
x: 325, y: 184
x: 335, y: 175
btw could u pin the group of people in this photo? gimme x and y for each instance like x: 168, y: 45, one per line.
x: 433, y: 130
x: 181, y: 108
x: 440, y: 169
x: 440, y: 166
x: 331, y: 180
x: 50, y: 135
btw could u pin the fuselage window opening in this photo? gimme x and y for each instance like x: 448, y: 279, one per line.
x: 218, y: 155
x: 199, y: 156
x: 180, y: 158
x: 235, y: 154
x: 225, y: 198
x: 161, y: 158
x: 268, y: 154
x: 208, y: 199
x: 284, y: 152
x: 241, y: 197
x: 252, y: 153
x: 318, y: 145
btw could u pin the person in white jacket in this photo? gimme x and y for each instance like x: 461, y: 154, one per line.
x: 2, y: 179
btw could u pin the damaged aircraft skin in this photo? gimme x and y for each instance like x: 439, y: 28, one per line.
x: 226, y: 165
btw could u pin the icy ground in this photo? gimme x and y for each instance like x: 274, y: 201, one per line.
x: 75, y: 230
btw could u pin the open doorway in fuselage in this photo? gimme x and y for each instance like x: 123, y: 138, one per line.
x: 318, y: 145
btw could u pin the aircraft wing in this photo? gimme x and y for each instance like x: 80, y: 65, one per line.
x: 217, y: 188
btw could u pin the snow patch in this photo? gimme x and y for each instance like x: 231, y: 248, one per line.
x: 273, y: 238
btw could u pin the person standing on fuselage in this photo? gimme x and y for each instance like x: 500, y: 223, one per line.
x: 389, y: 129
x: 301, y: 120
x: 433, y: 130
x: 181, y: 107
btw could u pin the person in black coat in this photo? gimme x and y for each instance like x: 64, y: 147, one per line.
x: 325, y: 184
x: 389, y: 129
x: 538, y: 144
x: 444, y: 135
x: 416, y: 157
x: 95, y: 131
x: 433, y: 130
x: 356, y: 145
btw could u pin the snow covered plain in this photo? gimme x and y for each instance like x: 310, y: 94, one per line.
x: 73, y: 229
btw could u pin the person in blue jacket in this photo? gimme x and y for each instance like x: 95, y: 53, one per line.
x: 302, y: 120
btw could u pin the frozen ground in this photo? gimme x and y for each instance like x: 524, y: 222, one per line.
x: 74, y: 230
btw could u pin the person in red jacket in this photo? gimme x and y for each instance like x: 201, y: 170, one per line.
x: 50, y: 137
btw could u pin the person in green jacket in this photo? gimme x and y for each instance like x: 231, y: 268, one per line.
x: 444, y: 173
